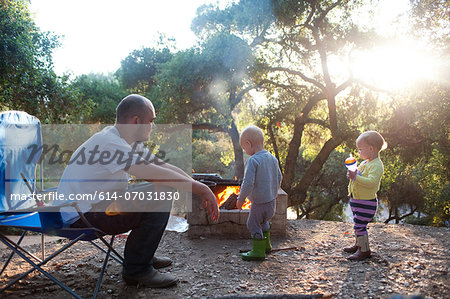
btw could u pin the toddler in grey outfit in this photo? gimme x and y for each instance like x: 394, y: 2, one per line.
x: 262, y: 179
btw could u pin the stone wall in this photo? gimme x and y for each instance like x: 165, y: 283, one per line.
x: 232, y: 223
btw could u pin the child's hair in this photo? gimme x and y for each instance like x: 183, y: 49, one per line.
x: 253, y: 134
x: 373, y: 138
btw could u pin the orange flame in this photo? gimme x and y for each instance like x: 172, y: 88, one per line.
x: 223, y: 196
x: 246, y: 205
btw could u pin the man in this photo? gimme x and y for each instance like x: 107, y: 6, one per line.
x: 107, y: 172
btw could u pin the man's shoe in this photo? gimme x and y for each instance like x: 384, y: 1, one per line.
x: 359, y: 255
x: 352, y: 249
x: 153, y: 279
x: 161, y: 262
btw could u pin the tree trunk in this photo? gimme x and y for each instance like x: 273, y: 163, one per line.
x: 296, y: 141
x: 298, y: 194
x: 292, y: 155
x: 238, y: 154
x: 274, y: 144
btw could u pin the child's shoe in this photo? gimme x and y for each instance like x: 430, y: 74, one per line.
x: 258, y: 253
x: 351, y: 249
x: 354, y: 248
x: 363, y: 250
x: 268, y: 244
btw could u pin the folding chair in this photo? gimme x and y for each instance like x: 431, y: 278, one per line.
x: 19, y: 130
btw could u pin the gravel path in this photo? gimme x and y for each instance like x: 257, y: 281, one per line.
x: 406, y: 260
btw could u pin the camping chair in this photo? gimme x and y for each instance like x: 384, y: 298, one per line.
x: 19, y: 130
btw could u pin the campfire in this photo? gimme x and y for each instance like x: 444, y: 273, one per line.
x: 232, y: 222
x: 226, y: 190
x: 228, y: 197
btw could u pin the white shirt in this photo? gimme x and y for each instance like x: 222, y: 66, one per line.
x: 98, y: 165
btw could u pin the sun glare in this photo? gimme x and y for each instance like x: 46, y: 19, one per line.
x: 393, y: 67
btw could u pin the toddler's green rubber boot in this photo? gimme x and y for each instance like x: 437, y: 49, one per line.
x: 268, y: 244
x: 258, y: 253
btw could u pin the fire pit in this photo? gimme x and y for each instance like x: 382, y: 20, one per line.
x: 232, y: 222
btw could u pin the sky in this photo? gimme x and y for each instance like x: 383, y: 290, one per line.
x: 98, y: 34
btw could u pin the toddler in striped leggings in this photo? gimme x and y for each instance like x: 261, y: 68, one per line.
x: 363, y: 187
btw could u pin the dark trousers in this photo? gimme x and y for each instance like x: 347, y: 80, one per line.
x: 146, y: 232
x: 147, y: 229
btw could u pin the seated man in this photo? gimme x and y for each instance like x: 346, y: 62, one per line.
x: 134, y: 122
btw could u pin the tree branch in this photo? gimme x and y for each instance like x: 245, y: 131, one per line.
x: 324, y: 13
x: 313, y: 10
x: 317, y: 122
x: 323, y: 59
x: 397, y: 218
x: 301, y: 75
x: 210, y: 127
x: 276, y: 84
x: 260, y: 38
x: 371, y: 87
x: 237, y: 99
x: 344, y: 85
x: 274, y: 142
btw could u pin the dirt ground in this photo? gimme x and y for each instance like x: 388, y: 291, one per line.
x: 406, y: 260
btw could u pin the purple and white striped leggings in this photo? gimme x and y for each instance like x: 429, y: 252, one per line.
x: 363, y: 212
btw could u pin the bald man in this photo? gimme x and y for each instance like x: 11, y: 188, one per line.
x: 135, y: 118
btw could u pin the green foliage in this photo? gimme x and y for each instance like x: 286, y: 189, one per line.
x: 329, y: 191
x: 183, y: 87
x: 197, y: 83
x: 207, y: 156
x: 24, y: 47
x: 137, y: 71
x: 248, y: 16
x: 283, y: 49
x: 27, y: 79
x: 431, y: 19
x: 417, y: 185
x: 434, y: 177
x: 104, y: 92
x: 417, y: 159
x: 228, y: 58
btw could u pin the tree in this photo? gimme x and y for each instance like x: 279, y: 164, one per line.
x: 417, y: 130
x: 419, y: 154
x: 327, y: 190
x: 27, y: 79
x: 137, y: 71
x: 294, y: 41
x: 208, y: 155
x: 404, y: 192
x: 104, y: 92
x: 431, y: 19
x: 203, y: 86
